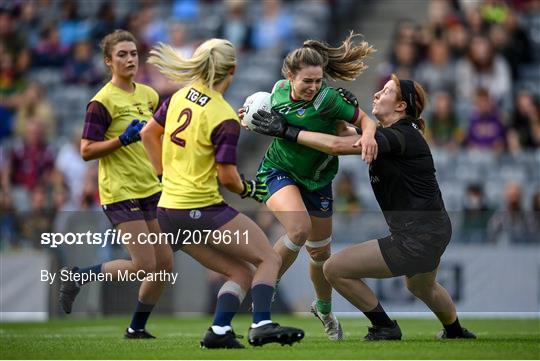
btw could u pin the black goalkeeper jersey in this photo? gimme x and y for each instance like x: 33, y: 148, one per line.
x: 403, y: 179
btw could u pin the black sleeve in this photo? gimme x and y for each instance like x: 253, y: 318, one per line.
x: 390, y: 140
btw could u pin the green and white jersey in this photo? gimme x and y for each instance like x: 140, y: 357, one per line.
x: 308, y: 167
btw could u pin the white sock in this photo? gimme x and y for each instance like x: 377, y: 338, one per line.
x: 221, y: 330
x: 260, y: 323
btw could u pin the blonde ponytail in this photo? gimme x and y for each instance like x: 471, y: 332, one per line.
x: 209, y: 64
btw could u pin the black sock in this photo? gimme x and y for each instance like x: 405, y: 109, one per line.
x: 453, y: 329
x: 90, y: 274
x: 226, y: 307
x: 378, y: 317
x: 261, y: 294
x: 140, y: 316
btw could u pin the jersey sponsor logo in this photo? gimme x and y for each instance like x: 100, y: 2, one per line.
x: 281, y: 177
x: 195, y: 214
x: 125, y: 109
x: 374, y: 179
x: 197, y: 97
x: 135, y: 209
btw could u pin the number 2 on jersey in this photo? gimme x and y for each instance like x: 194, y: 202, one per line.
x: 174, y: 136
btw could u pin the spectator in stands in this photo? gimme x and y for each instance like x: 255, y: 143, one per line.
x: 12, y: 41
x: 476, y: 214
x: 438, y: 71
x: 273, y: 29
x: 8, y: 219
x: 106, y: 21
x: 345, y: 200
x: 511, y: 41
x: 406, y: 30
x: 28, y: 24
x: 49, y: 51
x: 71, y: 27
x: 80, y: 67
x: 403, y: 65
x: 457, y: 36
x: 444, y: 128
x: 154, y: 29
x: 31, y: 161
x: 180, y: 41
x: 31, y: 105
x: 11, y: 84
x: 70, y: 164
x: 526, y: 120
x: 38, y: 220
x: 235, y: 26
x: 486, y: 130
x: 510, y: 224
x: 474, y: 20
x: 483, y: 68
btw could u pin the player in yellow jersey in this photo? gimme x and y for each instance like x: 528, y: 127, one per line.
x: 200, y: 132
x: 128, y: 186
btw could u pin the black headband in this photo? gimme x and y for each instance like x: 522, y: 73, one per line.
x: 408, y: 96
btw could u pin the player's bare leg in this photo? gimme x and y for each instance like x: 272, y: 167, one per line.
x: 318, y: 248
x: 257, y: 251
x: 288, y: 207
x: 425, y: 287
x: 344, y: 271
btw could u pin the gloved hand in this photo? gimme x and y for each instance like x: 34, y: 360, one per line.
x: 275, y: 125
x: 132, y: 132
x: 348, y: 96
x: 254, y: 189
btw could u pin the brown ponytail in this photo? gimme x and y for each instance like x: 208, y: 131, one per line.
x: 345, y: 62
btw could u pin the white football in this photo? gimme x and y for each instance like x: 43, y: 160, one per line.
x: 253, y: 103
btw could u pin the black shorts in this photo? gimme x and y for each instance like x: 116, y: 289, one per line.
x: 132, y: 209
x: 201, y: 219
x: 412, y: 252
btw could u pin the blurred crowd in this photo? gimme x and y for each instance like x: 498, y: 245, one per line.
x: 479, y: 60
x: 480, y: 63
x: 51, y: 65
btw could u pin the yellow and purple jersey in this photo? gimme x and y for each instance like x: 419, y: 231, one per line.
x: 125, y: 173
x: 201, y: 130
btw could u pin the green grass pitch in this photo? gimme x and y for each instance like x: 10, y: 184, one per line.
x: 178, y: 338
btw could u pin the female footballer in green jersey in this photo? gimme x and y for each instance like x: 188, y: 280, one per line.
x: 299, y: 178
x: 128, y: 186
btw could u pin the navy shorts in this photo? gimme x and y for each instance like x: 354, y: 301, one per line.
x: 200, y: 219
x: 415, y: 251
x: 132, y: 209
x: 319, y: 203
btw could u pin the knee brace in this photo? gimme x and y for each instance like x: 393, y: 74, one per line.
x: 318, y: 244
x: 290, y: 245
